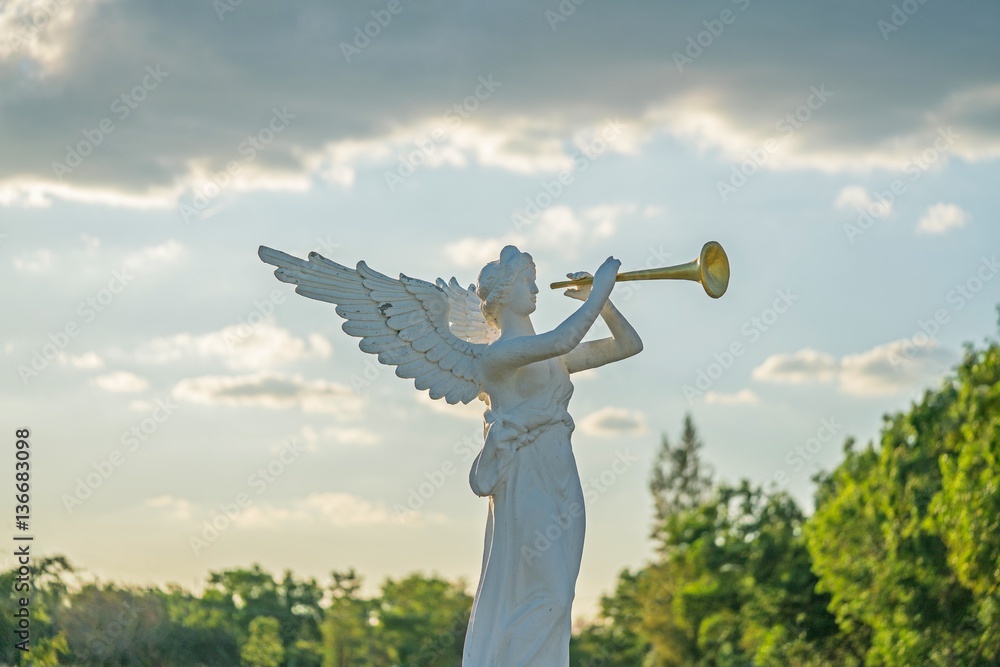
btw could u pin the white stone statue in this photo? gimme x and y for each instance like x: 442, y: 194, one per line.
x: 460, y: 344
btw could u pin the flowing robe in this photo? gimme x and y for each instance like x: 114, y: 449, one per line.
x: 534, y: 532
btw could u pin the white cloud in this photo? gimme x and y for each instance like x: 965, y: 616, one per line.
x: 892, y: 368
x: 856, y: 198
x: 472, y: 411
x: 87, y: 360
x: 742, y: 397
x: 269, y: 390
x: 239, y: 347
x: 942, y: 218
x: 797, y: 367
x: 154, y: 257
x: 91, y: 244
x: 317, y: 509
x: 29, y: 192
x: 121, y: 381
x: 341, y: 436
x: 176, y: 509
x: 614, y: 421
x: 330, y: 508
x: 555, y: 227
x: 37, y: 261
x: 334, y: 133
x: 40, y: 30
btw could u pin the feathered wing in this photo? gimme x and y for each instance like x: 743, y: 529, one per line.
x: 404, y: 322
x: 467, y: 321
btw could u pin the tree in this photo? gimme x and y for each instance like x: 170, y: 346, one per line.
x: 349, y: 626
x: 264, y: 647
x: 680, y: 480
x: 904, y: 537
x: 423, y: 620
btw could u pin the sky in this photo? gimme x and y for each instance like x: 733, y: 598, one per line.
x: 190, y: 413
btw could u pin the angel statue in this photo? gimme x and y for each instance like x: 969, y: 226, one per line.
x: 478, y: 342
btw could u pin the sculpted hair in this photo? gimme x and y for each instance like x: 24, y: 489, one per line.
x: 496, y: 279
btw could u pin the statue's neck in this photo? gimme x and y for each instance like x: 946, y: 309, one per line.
x: 513, y: 325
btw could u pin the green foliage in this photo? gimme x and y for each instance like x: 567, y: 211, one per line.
x: 264, y: 647
x: 905, y: 535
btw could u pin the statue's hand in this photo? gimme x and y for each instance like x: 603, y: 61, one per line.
x: 579, y: 292
x: 604, y: 279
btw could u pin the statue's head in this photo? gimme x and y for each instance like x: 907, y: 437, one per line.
x: 508, y: 282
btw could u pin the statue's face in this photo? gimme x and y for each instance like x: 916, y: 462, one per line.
x: 521, y: 298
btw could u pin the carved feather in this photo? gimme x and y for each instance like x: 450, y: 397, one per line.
x: 433, y: 333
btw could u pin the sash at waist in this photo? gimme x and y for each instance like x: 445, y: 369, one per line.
x: 505, y: 434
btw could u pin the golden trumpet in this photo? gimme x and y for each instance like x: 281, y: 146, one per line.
x: 710, y: 268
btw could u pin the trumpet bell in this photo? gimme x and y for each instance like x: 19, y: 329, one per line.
x: 713, y: 267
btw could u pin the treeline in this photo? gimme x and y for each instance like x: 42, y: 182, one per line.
x: 244, y: 617
x: 898, y: 565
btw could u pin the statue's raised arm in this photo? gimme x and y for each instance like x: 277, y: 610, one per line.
x: 518, y: 344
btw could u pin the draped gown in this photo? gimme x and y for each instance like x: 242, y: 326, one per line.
x: 521, y: 616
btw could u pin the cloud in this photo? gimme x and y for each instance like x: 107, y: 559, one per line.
x: 742, y: 397
x: 856, y: 198
x: 86, y: 361
x: 70, y: 71
x: 41, y: 31
x: 332, y: 508
x: 269, y: 390
x: 556, y: 227
x: 239, y: 347
x: 942, y: 218
x: 614, y: 421
x: 154, y: 257
x: 176, y: 509
x: 472, y: 411
x: 120, y: 381
x: 892, y: 368
x: 797, y: 367
x: 341, y: 436
x: 34, y: 261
